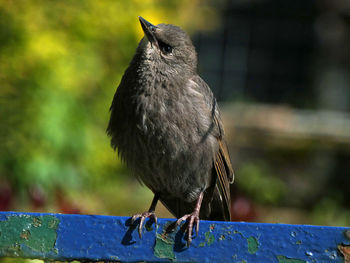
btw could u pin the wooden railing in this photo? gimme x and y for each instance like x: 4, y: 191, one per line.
x: 108, y: 238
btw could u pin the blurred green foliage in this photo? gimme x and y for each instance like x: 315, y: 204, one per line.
x: 260, y: 184
x: 60, y: 64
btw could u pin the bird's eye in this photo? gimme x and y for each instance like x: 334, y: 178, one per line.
x: 165, y: 48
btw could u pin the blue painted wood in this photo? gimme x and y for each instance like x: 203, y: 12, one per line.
x: 109, y: 238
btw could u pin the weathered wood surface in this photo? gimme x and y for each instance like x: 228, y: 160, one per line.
x: 109, y: 238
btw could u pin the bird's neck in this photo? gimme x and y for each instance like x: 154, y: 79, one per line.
x: 154, y: 73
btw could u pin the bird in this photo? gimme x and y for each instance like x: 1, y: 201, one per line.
x: 166, y: 126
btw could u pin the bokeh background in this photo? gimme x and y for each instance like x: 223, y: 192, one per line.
x: 280, y: 70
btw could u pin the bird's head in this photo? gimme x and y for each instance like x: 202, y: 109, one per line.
x: 169, y: 46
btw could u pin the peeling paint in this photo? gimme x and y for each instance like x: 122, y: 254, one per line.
x: 212, y: 227
x: 114, y: 258
x: 284, y: 259
x: 164, y: 247
x: 253, y: 245
x: 23, y: 232
x: 209, y: 238
x: 331, y: 254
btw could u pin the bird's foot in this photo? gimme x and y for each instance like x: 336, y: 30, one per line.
x: 143, y: 216
x: 191, y: 219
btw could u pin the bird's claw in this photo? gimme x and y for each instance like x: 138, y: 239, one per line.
x: 143, y: 216
x: 192, y: 218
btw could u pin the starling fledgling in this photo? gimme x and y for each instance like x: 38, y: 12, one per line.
x: 166, y: 125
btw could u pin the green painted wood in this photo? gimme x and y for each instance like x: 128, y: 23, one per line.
x: 107, y: 238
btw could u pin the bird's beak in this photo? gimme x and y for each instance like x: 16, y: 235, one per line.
x: 149, y: 30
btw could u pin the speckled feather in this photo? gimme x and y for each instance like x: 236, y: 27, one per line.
x: 166, y: 125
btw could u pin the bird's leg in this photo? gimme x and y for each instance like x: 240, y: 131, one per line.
x: 150, y: 213
x: 192, y: 218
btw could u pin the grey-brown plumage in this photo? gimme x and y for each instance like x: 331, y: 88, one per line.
x: 166, y: 125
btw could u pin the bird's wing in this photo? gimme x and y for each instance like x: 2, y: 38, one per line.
x: 223, y: 173
x: 223, y: 155
x: 222, y: 169
x: 216, y: 202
